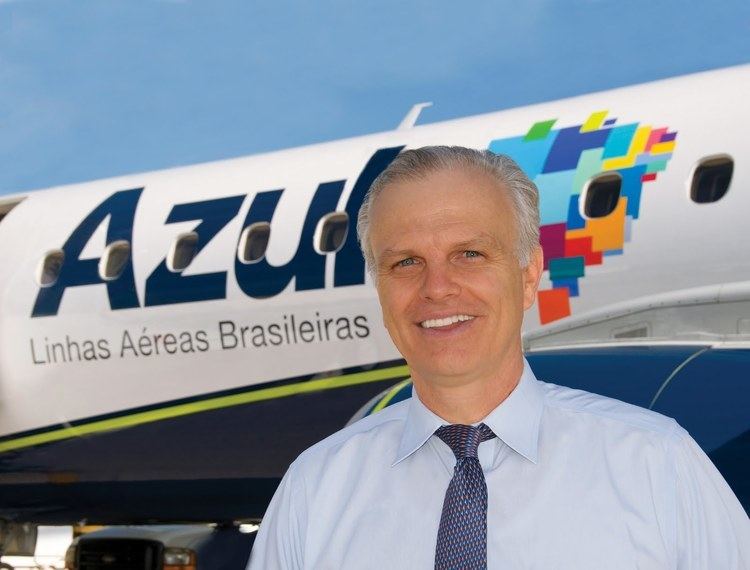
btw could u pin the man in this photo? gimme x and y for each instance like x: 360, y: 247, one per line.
x: 486, y: 467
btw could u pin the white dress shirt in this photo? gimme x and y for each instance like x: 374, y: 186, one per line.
x: 575, y: 481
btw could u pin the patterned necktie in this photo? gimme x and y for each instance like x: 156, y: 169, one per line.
x: 462, y: 536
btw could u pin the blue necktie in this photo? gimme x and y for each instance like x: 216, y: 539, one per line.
x: 462, y: 536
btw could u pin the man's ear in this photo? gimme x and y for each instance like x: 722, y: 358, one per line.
x: 532, y: 273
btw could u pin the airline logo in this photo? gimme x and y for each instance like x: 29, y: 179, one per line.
x: 258, y: 280
x: 561, y: 162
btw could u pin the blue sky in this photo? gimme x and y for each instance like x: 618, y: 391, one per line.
x: 97, y: 88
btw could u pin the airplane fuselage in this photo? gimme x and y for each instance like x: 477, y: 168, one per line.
x: 298, y: 333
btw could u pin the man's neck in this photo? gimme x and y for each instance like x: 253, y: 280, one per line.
x: 468, y: 400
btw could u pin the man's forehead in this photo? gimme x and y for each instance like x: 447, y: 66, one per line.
x: 440, y: 195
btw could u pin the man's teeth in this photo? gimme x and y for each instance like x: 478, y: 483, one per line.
x: 433, y: 323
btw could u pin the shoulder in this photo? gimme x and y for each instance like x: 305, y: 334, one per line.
x: 632, y: 448
x: 601, y: 412
x: 376, y: 436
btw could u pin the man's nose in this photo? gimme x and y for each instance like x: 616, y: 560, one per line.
x: 439, y: 281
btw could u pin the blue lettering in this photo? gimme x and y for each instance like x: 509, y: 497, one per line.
x: 258, y: 280
x: 164, y: 287
x: 120, y: 208
x: 261, y: 279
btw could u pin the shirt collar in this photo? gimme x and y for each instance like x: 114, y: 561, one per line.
x: 515, y: 421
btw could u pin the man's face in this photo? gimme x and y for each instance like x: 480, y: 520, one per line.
x: 450, y: 286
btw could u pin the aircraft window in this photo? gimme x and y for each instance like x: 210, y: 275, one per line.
x: 711, y: 179
x: 183, y: 251
x: 331, y: 232
x: 113, y: 261
x: 253, y: 242
x: 601, y: 194
x: 49, y: 268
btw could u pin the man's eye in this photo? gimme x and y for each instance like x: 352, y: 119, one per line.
x: 471, y: 253
x: 406, y: 262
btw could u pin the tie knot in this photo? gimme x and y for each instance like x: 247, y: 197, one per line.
x: 464, y: 440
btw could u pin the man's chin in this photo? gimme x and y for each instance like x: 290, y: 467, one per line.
x: 445, y: 371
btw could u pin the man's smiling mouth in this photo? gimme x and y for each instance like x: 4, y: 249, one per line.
x: 445, y: 321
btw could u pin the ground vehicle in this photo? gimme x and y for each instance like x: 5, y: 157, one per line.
x: 165, y: 547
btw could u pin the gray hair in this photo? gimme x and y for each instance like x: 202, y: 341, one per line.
x: 417, y: 163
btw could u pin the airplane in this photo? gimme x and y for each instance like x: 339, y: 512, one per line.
x: 170, y: 341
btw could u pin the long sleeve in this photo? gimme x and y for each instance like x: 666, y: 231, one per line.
x: 280, y: 541
x: 713, y: 530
